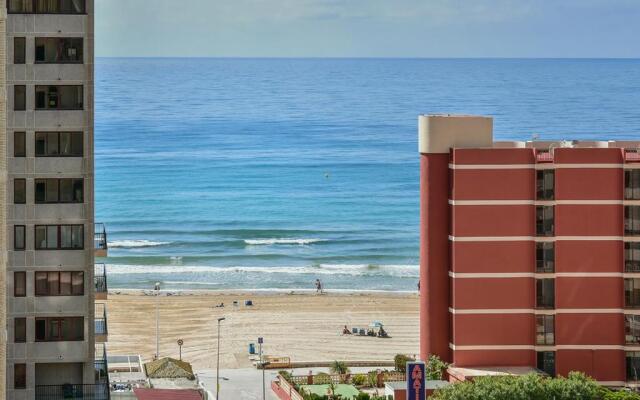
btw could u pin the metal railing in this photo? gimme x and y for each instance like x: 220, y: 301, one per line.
x: 100, y: 363
x: 631, y: 155
x: 544, y: 156
x: 101, y: 319
x: 98, y: 391
x: 100, y: 278
x: 100, y: 236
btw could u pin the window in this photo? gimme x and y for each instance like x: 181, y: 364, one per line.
x: 19, y: 237
x: 65, y: 329
x: 545, y: 184
x: 633, y: 365
x: 547, y: 362
x: 545, y: 257
x: 58, y: 50
x: 20, y: 284
x: 632, y: 220
x: 19, y: 376
x: 632, y: 184
x: 544, y: 220
x: 59, y: 237
x: 19, y: 97
x: 19, y: 144
x: 19, y: 330
x: 545, y: 331
x: 632, y: 257
x: 19, y: 50
x: 545, y: 293
x: 59, y: 97
x: 58, y: 191
x: 55, y: 283
x: 632, y: 329
x: 632, y: 292
x: 59, y: 144
x: 46, y: 6
x: 19, y: 191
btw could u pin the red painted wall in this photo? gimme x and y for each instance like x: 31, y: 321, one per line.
x: 475, y: 257
x: 493, y: 220
x: 493, y: 329
x: 493, y: 293
x: 434, y: 256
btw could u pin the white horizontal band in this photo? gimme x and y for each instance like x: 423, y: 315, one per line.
x: 498, y: 275
x: 543, y: 166
x: 543, y: 348
x: 544, y: 311
x: 541, y: 203
x: 539, y: 238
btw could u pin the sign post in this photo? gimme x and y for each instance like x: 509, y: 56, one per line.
x: 180, y: 343
x: 416, y: 381
x: 264, y: 391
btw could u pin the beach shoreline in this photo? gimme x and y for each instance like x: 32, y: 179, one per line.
x: 299, y: 324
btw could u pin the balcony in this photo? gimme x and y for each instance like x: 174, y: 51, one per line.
x: 631, y: 155
x: 100, y: 363
x: 101, y: 331
x: 100, y: 282
x: 100, y: 240
x: 544, y: 156
x: 98, y: 391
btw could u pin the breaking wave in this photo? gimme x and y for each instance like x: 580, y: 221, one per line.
x: 131, y: 244
x: 267, y: 242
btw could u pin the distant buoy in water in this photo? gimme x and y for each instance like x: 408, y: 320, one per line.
x: 326, y: 175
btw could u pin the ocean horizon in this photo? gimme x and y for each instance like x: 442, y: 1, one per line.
x: 249, y: 173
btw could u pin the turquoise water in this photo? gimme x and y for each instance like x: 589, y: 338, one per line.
x: 270, y: 173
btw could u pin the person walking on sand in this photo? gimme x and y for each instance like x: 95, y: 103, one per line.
x: 318, y: 286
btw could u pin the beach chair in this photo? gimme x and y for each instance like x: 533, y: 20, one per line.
x: 362, y: 332
x: 354, y: 331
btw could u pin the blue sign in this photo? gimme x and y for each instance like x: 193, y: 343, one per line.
x: 416, y: 381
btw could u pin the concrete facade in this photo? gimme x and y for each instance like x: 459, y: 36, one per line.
x: 528, y: 252
x: 52, y: 361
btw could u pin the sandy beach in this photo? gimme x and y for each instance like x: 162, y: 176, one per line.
x: 303, y: 326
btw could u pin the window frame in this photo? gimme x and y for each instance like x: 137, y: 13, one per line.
x: 632, y: 191
x: 543, y: 263
x: 24, y: 237
x: 58, y: 190
x: 541, y: 362
x: 19, y: 379
x: 81, y: 47
x: 544, y: 228
x: 545, y: 326
x: 59, y: 237
x: 49, y: 292
x: 16, y: 39
x: 543, y: 176
x: 15, y: 103
x: 631, y: 214
x: 48, y: 93
x: 59, y: 337
x: 22, y: 182
x: 542, y: 292
x: 631, y: 264
x: 15, y: 330
x: 34, y: 8
x: 632, y: 296
x: 23, y: 141
x: 22, y: 275
x: 58, y: 135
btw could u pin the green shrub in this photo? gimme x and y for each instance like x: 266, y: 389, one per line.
x: 400, y: 361
x: 619, y: 395
x: 285, y: 374
x: 363, y: 396
x: 359, y: 380
x: 435, y: 368
x: 339, y: 367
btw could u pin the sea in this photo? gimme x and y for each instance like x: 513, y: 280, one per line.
x: 267, y: 174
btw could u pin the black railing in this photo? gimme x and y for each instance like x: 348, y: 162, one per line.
x: 101, y: 319
x: 100, y: 278
x: 98, y: 391
x: 100, y: 363
x: 100, y: 237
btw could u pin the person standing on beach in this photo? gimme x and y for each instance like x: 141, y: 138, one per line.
x: 318, y: 286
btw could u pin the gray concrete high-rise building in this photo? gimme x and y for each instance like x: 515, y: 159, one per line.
x: 48, y: 283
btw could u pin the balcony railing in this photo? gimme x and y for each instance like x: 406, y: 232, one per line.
x: 100, y: 240
x: 544, y: 156
x: 100, y: 363
x: 631, y: 155
x: 100, y: 281
x: 101, y: 330
x: 98, y: 391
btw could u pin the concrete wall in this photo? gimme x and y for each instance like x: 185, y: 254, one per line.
x: 3, y: 199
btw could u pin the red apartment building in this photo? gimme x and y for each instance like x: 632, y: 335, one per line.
x: 530, y: 252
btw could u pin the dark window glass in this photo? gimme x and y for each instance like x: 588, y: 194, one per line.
x: 19, y: 237
x: 58, y: 50
x: 77, y: 283
x: 19, y: 376
x: 545, y: 293
x: 633, y: 365
x: 20, y: 284
x: 19, y: 98
x: 547, y: 362
x: 55, y: 283
x: 632, y: 292
x: 42, y: 287
x: 545, y: 184
x: 632, y: 257
x: 20, y: 330
x: 19, y: 144
x: 19, y: 50
x: 59, y: 144
x: 20, y: 6
x: 65, y: 329
x: 59, y: 237
x: 632, y: 220
x: 544, y: 220
x: 632, y: 184
x: 545, y: 257
x: 632, y: 329
x: 19, y: 191
x: 545, y: 330
x: 65, y: 190
x: 59, y: 97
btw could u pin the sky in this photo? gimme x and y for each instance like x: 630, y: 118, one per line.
x: 367, y: 28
